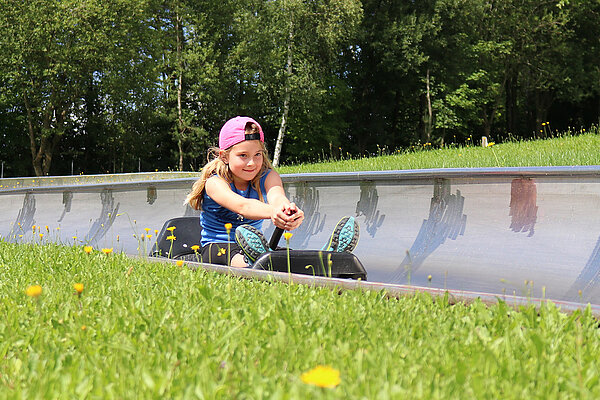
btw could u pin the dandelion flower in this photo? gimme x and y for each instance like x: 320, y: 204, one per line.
x: 107, y: 251
x: 195, y: 247
x: 34, y: 291
x: 41, y: 236
x: 83, y: 327
x: 322, y: 376
x: 228, y: 226
x: 88, y: 249
x: 179, y: 263
x: 78, y: 288
x: 171, y: 237
x: 221, y: 251
x: 147, y: 230
x: 171, y: 228
x: 147, y: 237
x: 287, y: 235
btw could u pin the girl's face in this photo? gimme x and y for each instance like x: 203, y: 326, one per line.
x: 245, y: 160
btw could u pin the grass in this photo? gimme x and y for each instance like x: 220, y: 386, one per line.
x: 562, y: 150
x: 152, y: 330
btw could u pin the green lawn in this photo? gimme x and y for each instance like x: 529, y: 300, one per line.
x: 563, y: 150
x: 153, y: 330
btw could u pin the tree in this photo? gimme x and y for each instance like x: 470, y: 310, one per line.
x: 189, y: 33
x: 54, y: 50
x: 288, y: 58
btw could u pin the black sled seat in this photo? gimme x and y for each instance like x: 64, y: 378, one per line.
x: 313, y: 262
x: 188, y: 233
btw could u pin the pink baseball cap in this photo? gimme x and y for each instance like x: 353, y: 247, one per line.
x: 234, y: 132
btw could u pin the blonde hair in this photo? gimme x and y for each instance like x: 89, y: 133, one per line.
x: 216, y: 166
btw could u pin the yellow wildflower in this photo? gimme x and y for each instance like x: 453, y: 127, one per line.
x: 147, y: 230
x: 287, y: 235
x: 228, y: 227
x: 221, y: 251
x: 41, y: 236
x: 34, y: 291
x: 171, y: 228
x: 107, y: 251
x: 195, y: 247
x: 322, y: 376
x: 78, y: 288
x: 179, y: 263
x: 171, y: 237
x: 88, y: 249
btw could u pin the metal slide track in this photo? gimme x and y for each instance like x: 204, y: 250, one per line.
x: 511, y: 232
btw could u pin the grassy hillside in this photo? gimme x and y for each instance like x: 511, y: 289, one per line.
x: 583, y: 149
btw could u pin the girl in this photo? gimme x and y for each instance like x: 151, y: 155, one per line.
x: 231, y: 192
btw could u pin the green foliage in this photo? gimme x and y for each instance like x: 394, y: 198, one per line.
x: 124, y: 85
x: 150, y: 330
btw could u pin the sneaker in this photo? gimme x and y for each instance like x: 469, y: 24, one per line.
x: 252, y: 241
x: 344, y: 236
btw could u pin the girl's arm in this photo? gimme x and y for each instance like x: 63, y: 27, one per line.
x: 288, y: 215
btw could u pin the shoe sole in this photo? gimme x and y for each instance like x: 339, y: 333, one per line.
x: 252, y: 241
x: 345, y: 236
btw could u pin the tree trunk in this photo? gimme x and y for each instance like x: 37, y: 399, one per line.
x: 543, y: 101
x: 35, y: 158
x: 286, y: 100
x: 180, y: 125
x: 511, y: 103
x: 428, y: 127
x: 488, y: 120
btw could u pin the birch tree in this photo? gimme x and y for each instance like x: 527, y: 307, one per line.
x: 188, y: 69
x: 287, y: 53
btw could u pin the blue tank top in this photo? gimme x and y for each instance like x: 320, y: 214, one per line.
x: 214, y: 216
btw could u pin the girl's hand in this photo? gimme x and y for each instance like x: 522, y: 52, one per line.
x: 287, y: 217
